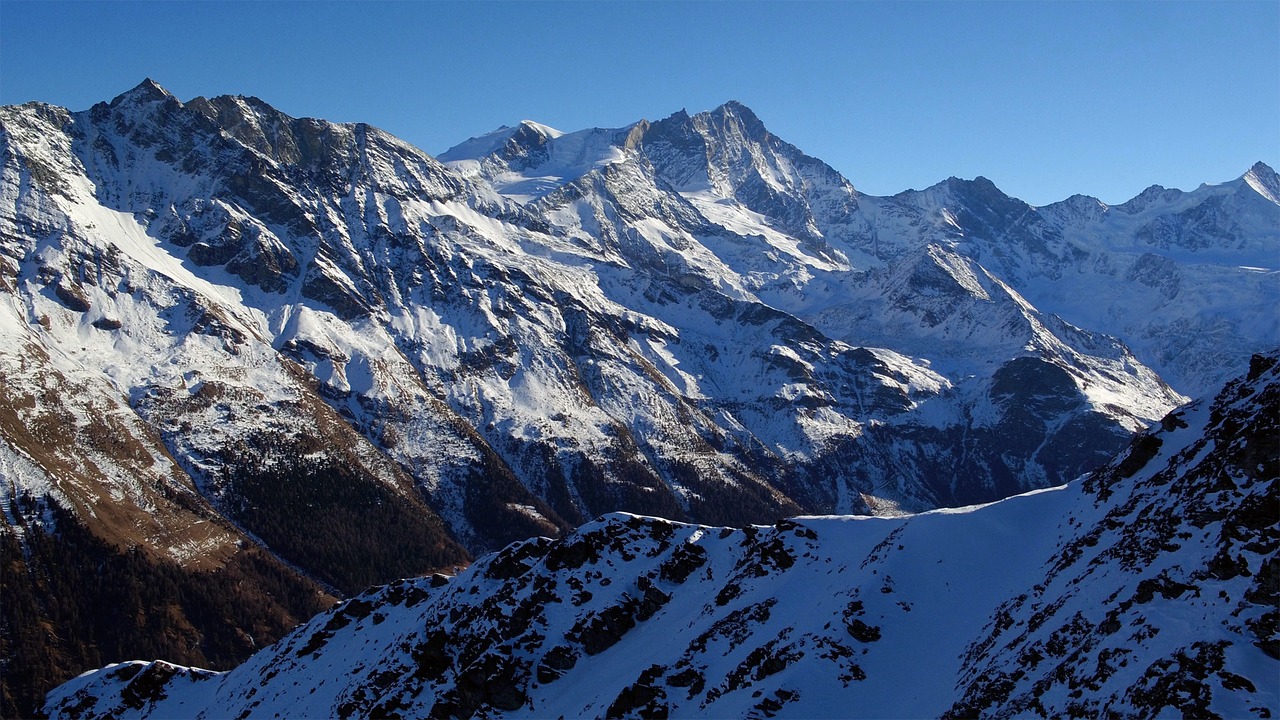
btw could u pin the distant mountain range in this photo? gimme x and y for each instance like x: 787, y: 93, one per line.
x: 1147, y: 589
x: 317, y: 356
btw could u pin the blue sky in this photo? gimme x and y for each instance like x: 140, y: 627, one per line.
x: 1046, y: 99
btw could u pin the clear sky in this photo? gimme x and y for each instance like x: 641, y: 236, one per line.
x: 1046, y: 99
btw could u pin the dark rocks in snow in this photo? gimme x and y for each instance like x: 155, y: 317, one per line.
x: 682, y: 563
x: 72, y: 296
x: 518, y: 559
x: 642, y: 698
x: 598, y: 631
x: 557, y: 660
x: 344, y: 300
x: 862, y: 632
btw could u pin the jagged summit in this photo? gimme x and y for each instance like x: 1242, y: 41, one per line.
x: 494, y: 141
x: 1264, y: 181
x: 736, y: 111
x: 1261, y: 169
x: 737, y: 107
x: 545, y: 130
x: 148, y: 89
x: 1154, y: 194
x: 979, y: 185
x: 745, y: 115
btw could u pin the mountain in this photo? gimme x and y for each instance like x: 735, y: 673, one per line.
x: 1146, y: 589
x: 1185, y: 279
x: 231, y: 334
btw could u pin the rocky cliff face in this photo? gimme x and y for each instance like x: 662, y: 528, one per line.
x: 1147, y: 588
x: 227, y: 328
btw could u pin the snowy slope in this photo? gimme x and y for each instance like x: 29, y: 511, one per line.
x: 1144, y: 589
x: 99, y: 301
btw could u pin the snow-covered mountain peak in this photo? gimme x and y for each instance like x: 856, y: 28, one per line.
x: 146, y: 91
x: 476, y: 147
x: 745, y: 182
x: 1260, y: 179
x: 507, y: 141
x: 1084, y: 207
x: 258, y: 125
x: 1264, y: 181
x: 736, y: 107
x: 1151, y: 195
x: 531, y: 160
x: 730, y: 114
x: 978, y: 190
x: 744, y: 117
x: 544, y: 130
x: 229, y: 110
